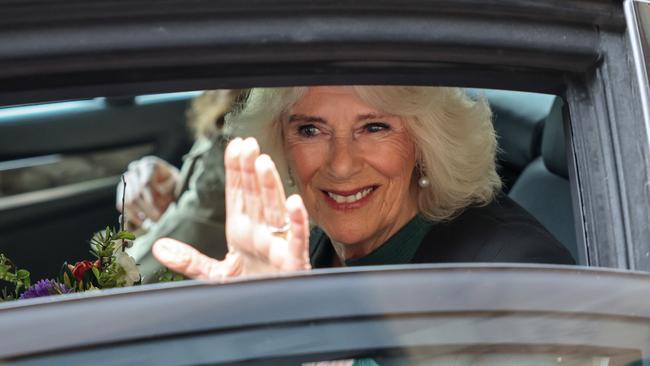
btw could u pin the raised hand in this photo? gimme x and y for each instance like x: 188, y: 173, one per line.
x: 265, y: 232
x: 150, y: 183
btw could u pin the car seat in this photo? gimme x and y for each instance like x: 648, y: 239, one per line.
x: 543, y: 187
x: 518, y: 119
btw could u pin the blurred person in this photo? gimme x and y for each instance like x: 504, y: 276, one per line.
x: 185, y: 204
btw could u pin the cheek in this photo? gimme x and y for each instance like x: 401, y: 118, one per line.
x: 394, y: 158
x: 305, y: 159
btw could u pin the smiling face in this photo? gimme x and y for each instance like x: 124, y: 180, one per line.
x: 353, y: 166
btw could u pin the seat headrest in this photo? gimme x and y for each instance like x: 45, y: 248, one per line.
x: 553, y: 141
x: 518, y: 120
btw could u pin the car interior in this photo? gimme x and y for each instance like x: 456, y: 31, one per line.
x: 60, y: 163
x: 533, y: 159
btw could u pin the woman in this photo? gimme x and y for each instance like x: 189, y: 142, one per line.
x: 387, y: 174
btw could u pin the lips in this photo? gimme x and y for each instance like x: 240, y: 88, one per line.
x: 345, y: 200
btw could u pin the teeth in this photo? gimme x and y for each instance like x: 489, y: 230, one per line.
x: 351, y: 198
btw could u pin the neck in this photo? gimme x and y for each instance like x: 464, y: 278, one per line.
x: 346, y: 251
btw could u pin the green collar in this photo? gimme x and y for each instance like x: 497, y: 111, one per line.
x: 399, y: 249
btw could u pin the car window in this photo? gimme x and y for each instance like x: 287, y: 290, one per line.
x: 73, y: 150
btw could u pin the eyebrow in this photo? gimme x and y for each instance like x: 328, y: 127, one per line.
x: 307, y: 119
x: 363, y: 117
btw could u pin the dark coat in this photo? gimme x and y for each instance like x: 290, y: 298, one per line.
x: 499, y: 232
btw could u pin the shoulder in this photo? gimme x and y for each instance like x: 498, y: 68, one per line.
x: 499, y: 232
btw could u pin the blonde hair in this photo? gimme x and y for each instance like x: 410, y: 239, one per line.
x: 454, y: 137
x: 205, y: 115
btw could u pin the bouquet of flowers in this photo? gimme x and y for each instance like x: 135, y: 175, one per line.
x: 112, y: 267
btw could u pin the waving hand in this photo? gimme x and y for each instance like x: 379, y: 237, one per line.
x: 265, y: 232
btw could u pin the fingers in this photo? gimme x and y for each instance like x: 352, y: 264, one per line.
x: 164, y: 177
x: 184, y: 259
x: 298, y: 234
x: 164, y: 184
x: 243, y: 194
x: 252, y: 195
x: 234, y: 187
x: 271, y: 191
x: 146, y: 205
x: 255, y: 202
x: 143, y: 198
x: 139, y: 209
x: 291, y: 252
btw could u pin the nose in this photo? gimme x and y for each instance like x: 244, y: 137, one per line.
x: 344, y: 159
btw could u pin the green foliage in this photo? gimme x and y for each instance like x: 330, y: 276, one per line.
x: 102, y: 244
x: 108, y: 274
x: 105, y: 272
x: 167, y: 275
x: 125, y: 235
x: 19, y: 279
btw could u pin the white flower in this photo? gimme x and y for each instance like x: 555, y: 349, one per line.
x: 127, y: 263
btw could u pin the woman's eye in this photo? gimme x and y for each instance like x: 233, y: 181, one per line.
x: 376, y: 127
x: 308, y: 130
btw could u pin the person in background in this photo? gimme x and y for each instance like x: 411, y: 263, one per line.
x: 186, y: 204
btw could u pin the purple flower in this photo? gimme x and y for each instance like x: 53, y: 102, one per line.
x: 45, y: 288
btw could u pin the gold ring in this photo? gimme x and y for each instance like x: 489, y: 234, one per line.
x: 280, y: 231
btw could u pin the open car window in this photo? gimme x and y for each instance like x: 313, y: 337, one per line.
x: 85, y: 145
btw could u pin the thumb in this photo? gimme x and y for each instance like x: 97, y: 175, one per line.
x: 182, y: 258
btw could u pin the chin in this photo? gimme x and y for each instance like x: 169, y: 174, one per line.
x: 345, y: 234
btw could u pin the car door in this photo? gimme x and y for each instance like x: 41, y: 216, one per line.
x: 60, y: 163
x: 395, y: 315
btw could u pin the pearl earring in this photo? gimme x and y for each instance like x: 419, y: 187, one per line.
x: 424, y: 182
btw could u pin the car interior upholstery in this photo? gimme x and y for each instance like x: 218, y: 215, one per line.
x: 532, y: 160
x: 543, y: 187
